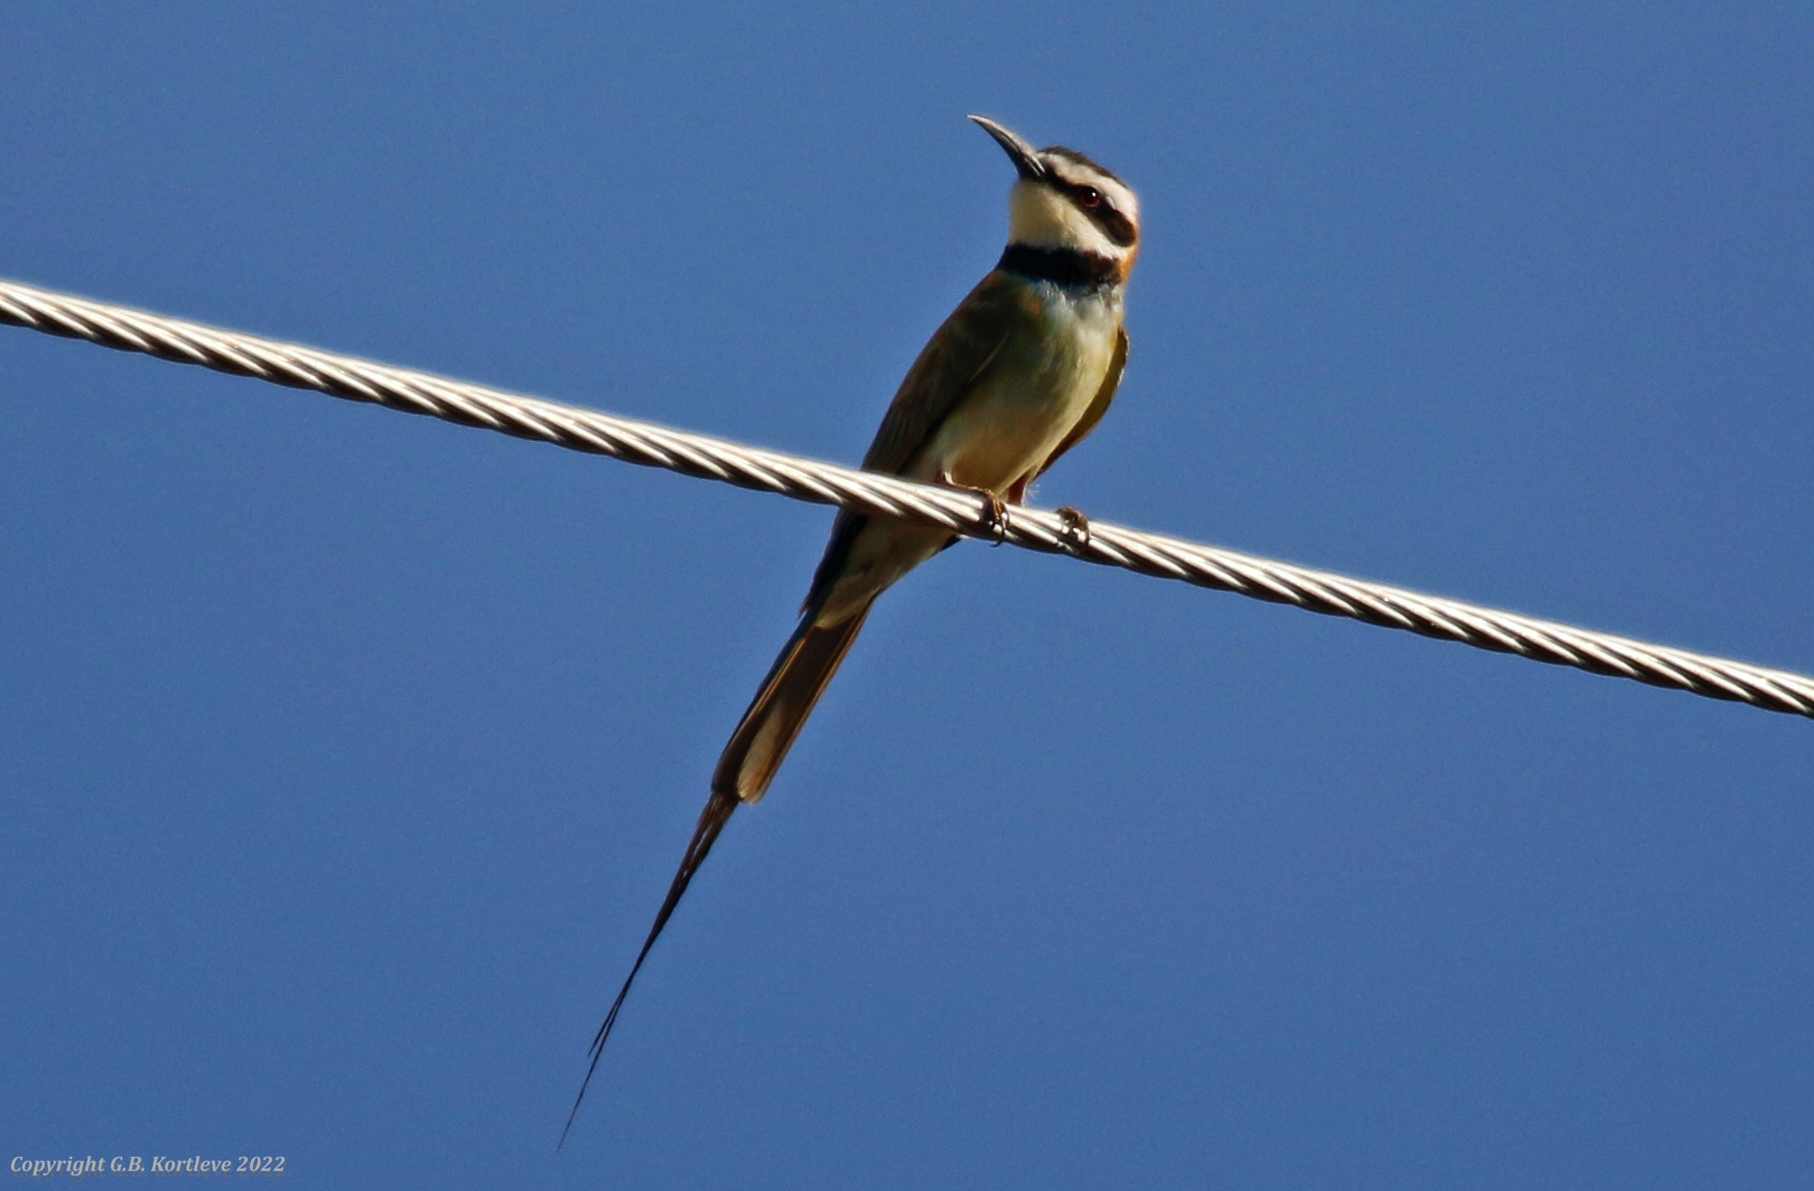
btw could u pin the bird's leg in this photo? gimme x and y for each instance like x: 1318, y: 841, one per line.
x: 1076, y: 528
x: 998, y: 511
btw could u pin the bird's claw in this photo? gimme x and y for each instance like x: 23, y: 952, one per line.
x: 1076, y: 532
x: 996, y: 510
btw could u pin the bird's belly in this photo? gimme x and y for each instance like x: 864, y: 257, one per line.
x: 1023, y: 409
x: 1033, y: 395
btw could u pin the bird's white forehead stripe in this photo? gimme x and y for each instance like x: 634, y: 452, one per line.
x: 1073, y: 171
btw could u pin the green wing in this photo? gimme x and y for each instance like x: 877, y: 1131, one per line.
x: 1111, y: 381
x: 948, y: 370
x: 954, y: 360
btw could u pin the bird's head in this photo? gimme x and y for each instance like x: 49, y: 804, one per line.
x: 1065, y: 201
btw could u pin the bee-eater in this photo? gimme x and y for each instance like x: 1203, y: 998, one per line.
x: 1022, y: 370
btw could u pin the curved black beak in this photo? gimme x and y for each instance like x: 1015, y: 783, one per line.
x: 1024, y: 156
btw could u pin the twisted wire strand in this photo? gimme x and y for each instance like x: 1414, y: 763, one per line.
x: 962, y: 512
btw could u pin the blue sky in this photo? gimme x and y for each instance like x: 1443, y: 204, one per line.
x: 344, y: 756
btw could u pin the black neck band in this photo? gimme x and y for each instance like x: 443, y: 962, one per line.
x: 1066, y: 266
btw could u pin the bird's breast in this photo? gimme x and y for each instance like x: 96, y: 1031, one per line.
x: 1037, y: 387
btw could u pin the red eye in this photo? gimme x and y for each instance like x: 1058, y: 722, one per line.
x: 1089, y: 196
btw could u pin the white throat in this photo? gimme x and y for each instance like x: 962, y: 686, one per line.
x: 1040, y: 217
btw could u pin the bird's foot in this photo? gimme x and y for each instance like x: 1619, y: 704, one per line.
x: 1076, y: 533
x: 995, y: 510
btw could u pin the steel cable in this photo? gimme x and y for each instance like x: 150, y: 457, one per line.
x: 962, y: 512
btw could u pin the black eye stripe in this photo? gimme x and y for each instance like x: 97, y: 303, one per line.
x: 1116, y: 226
x: 1119, y: 227
x: 1113, y: 223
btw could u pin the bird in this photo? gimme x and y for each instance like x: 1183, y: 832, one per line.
x: 1020, y: 372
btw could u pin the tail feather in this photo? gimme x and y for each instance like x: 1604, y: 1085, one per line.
x: 711, y: 821
x: 787, y: 696
x: 776, y: 715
